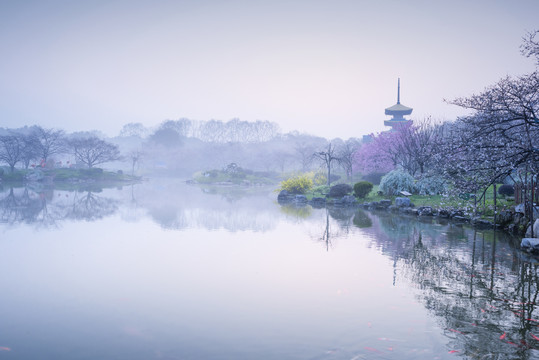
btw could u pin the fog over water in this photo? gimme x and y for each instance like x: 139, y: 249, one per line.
x: 142, y: 272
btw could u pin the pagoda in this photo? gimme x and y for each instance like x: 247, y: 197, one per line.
x: 397, y: 111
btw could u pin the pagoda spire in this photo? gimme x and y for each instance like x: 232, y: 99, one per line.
x: 399, y: 91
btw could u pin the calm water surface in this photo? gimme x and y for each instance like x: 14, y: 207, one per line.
x: 163, y: 270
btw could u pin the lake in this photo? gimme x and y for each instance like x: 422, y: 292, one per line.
x: 165, y: 270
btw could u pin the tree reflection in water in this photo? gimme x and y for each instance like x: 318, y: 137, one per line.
x: 334, y: 223
x: 478, y: 284
x: 298, y: 212
x: 89, y: 206
x: 361, y: 219
x: 21, y: 206
x: 175, y: 205
x: 171, y: 204
x: 46, y: 207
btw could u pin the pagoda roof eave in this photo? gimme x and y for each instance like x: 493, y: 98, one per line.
x: 393, y: 122
x: 398, y: 109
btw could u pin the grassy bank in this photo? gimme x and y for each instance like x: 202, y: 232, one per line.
x: 65, y: 175
x: 466, y: 202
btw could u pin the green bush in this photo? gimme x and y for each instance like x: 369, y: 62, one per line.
x: 340, y: 190
x: 397, y: 181
x: 321, y: 189
x: 297, y: 185
x: 362, y: 189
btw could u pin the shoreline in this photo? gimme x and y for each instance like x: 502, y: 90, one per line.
x: 510, y: 221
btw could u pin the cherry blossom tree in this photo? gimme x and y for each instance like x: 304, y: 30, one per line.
x: 377, y: 155
x: 504, y: 130
x: 501, y: 137
x: 530, y: 45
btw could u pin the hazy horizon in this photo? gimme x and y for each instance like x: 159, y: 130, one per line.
x: 327, y: 69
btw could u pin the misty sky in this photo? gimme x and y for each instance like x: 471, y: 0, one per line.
x: 327, y: 68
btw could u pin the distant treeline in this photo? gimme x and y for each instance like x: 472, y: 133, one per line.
x: 174, y: 147
x: 234, y: 130
x: 184, y: 146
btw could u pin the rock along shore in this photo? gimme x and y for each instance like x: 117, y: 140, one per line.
x: 512, y: 221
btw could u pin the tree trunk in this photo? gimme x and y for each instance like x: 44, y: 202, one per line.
x: 329, y: 173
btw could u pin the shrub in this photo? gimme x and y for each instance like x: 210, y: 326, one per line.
x: 433, y: 185
x: 507, y: 190
x: 362, y: 189
x: 395, y: 182
x: 320, y: 178
x: 340, y: 190
x: 297, y: 185
x: 321, y: 189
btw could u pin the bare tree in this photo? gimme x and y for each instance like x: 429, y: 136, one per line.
x: 49, y: 142
x: 93, y: 151
x: 134, y: 156
x: 30, y: 149
x: 347, y: 154
x: 328, y: 156
x: 212, y: 131
x: 235, y: 130
x: 264, y: 131
x: 10, y: 150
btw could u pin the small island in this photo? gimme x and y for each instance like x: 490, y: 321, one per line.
x: 233, y: 174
